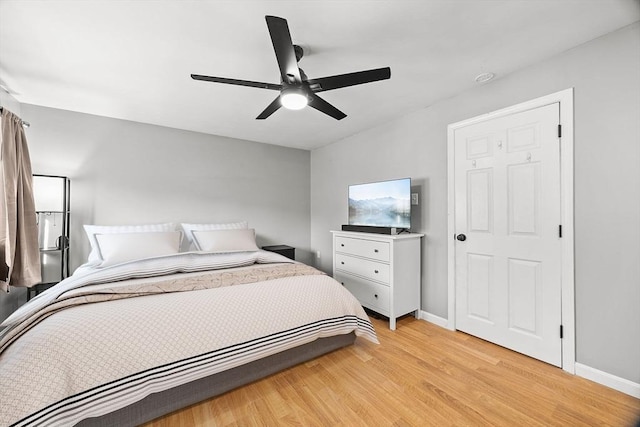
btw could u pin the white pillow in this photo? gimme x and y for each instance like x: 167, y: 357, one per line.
x: 116, y: 248
x: 226, y: 240
x: 190, y: 228
x: 92, y: 230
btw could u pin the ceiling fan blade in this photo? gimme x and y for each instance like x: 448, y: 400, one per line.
x: 350, y: 79
x: 283, y: 46
x: 249, y: 83
x: 271, y: 108
x: 321, y: 105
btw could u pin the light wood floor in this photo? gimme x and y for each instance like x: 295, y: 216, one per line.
x: 420, y: 375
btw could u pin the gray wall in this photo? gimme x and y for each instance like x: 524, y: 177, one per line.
x: 604, y: 73
x: 131, y: 173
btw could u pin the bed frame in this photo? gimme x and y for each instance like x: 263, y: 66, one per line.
x: 158, y: 404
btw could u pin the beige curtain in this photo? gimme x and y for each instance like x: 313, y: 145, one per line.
x: 19, y: 253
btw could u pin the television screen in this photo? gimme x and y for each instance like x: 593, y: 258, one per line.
x: 382, y: 204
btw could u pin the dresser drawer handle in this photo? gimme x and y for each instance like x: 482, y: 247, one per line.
x: 342, y: 262
x: 376, y: 295
x: 375, y: 250
x: 342, y: 244
x: 375, y: 271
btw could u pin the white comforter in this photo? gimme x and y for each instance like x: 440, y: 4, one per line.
x: 106, y: 338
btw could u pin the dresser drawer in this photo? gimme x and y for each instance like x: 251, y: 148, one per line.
x: 364, y: 248
x: 370, y: 295
x: 363, y: 267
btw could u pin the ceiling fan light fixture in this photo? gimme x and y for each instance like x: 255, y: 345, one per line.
x: 293, y: 99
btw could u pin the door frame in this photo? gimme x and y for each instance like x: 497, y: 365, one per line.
x: 565, y: 99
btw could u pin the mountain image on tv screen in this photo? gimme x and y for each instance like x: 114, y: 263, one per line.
x: 382, y: 204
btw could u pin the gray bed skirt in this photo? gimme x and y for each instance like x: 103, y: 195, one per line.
x: 165, y: 402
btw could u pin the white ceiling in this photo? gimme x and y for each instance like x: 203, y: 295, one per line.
x: 132, y: 59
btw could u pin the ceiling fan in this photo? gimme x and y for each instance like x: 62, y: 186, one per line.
x: 296, y: 90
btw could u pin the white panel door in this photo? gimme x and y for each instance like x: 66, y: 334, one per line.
x: 507, y: 217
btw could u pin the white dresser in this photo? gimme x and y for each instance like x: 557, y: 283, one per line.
x: 381, y: 271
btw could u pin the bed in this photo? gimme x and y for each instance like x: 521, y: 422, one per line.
x: 124, y: 342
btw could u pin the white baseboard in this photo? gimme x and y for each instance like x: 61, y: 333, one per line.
x: 609, y: 380
x: 432, y: 318
x: 584, y: 371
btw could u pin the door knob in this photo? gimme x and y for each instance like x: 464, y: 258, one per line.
x: 461, y: 237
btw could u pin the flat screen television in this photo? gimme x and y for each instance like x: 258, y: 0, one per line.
x: 381, y: 204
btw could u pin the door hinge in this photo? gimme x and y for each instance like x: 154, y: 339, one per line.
x: 561, y: 332
x: 559, y: 131
x: 560, y: 231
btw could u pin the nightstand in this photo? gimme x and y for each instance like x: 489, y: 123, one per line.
x: 36, y: 289
x: 285, y: 250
